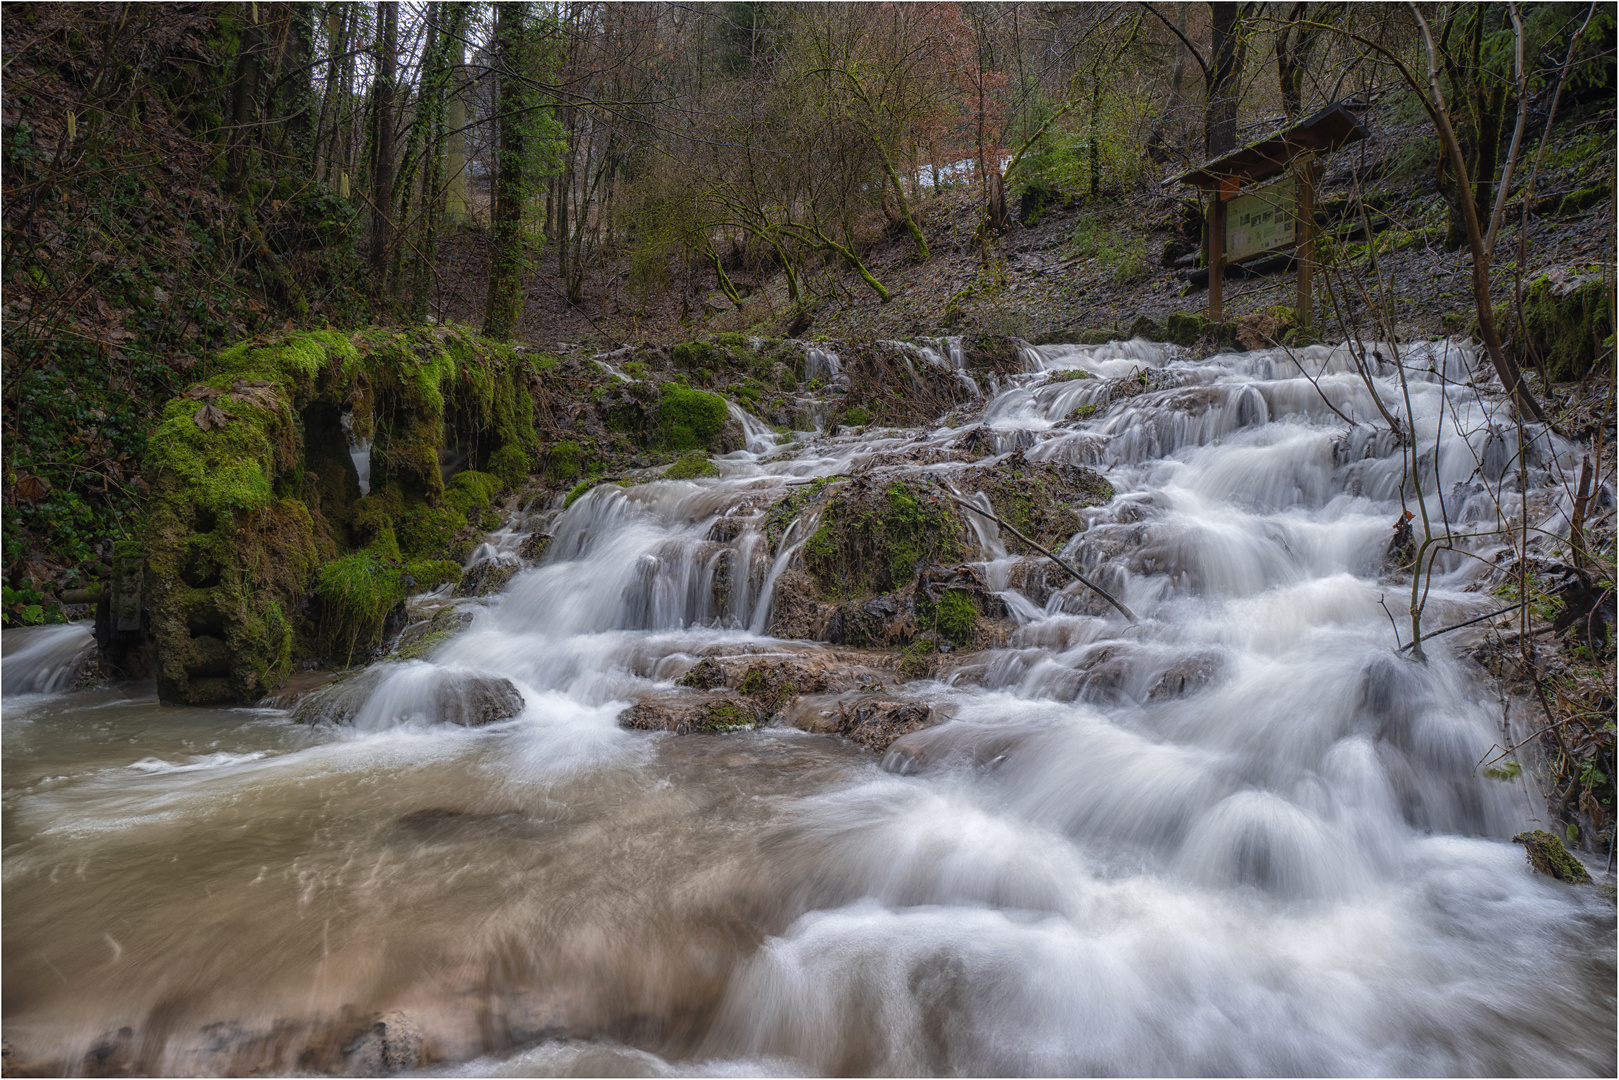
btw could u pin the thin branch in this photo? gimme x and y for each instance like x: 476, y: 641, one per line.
x: 1103, y: 593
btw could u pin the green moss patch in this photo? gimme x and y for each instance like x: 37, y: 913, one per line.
x: 425, y: 529
x: 1563, y: 327
x: 722, y: 716
x: 871, y: 541
x: 563, y: 462
x: 470, y: 493
x: 954, y: 616
x: 1037, y: 497
x: 1547, y: 855
x: 692, y: 467
x: 689, y: 419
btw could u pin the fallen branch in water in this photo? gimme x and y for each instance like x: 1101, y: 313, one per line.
x: 1128, y: 614
x: 1458, y: 626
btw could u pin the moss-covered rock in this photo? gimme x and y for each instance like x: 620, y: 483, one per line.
x: 1566, y: 317
x: 256, y: 509
x: 1037, y: 497
x: 690, y: 419
x: 692, y: 467
x: 1547, y: 855
x: 713, y: 713
x: 1143, y: 327
x: 871, y: 539
x: 1185, y: 328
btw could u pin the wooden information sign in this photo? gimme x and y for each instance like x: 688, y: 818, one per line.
x: 1261, y: 221
x: 1244, y: 220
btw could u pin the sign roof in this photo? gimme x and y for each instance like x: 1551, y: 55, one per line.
x: 1328, y: 129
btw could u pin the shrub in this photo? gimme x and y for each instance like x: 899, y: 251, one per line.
x: 563, y: 462
x: 955, y: 615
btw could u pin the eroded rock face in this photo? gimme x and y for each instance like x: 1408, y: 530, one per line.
x: 875, y: 724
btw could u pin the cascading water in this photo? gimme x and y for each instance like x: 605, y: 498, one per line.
x: 1242, y: 835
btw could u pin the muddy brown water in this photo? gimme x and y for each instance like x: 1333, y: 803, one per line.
x: 1291, y: 864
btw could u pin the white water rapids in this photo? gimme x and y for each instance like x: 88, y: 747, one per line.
x: 1296, y: 867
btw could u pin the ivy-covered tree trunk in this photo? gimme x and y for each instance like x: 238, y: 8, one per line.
x: 503, y: 309
x: 382, y: 175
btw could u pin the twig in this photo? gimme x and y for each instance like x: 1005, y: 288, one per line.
x: 1392, y: 623
x: 1458, y: 626
x: 1128, y: 614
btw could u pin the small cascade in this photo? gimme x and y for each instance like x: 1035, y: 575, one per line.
x: 45, y: 659
x: 761, y: 439
x: 821, y: 364
x: 944, y: 353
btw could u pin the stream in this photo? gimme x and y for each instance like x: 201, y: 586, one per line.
x: 1295, y: 866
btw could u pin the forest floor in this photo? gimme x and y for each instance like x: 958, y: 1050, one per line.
x: 1096, y: 263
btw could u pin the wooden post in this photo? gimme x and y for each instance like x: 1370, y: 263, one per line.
x: 1217, y: 208
x: 1304, y: 233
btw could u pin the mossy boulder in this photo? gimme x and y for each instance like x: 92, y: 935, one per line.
x: 886, y: 563
x: 258, y: 544
x: 691, y: 467
x: 872, y: 539
x: 1183, y: 328
x: 1547, y: 855
x: 1143, y: 327
x: 1567, y: 317
x: 1038, y: 498
x: 690, y: 419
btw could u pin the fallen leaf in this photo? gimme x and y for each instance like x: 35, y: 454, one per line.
x: 211, y: 416
x: 203, y: 392
x: 32, y: 488
x: 254, y: 392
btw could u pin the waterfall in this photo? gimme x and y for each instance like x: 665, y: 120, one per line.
x: 1242, y: 834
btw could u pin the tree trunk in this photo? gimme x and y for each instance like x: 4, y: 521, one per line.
x: 503, y: 310
x: 382, y: 174
x: 457, y: 210
x: 298, y: 99
x: 245, y: 92
x: 1220, y: 109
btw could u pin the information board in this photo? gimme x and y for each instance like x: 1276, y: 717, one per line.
x: 1262, y: 220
